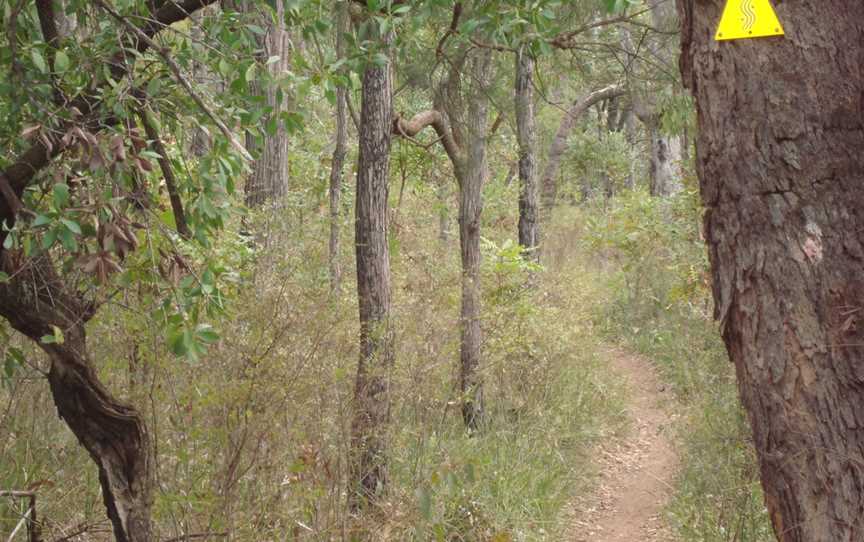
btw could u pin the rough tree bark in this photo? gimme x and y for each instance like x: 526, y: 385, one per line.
x: 526, y: 134
x: 340, y: 150
x: 781, y: 128
x: 113, y: 433
x: 268, y: 181
x: 36, y: 299
x: 372, y: 388
x: 549, y: 183
x: 471, y: 177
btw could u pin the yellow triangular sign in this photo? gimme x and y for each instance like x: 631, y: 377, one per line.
x: 748, y: 19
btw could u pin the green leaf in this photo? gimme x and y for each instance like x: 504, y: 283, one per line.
x: 41, y: 220
x: 3, y: 277
x: 38, y: 60
x: 49, y: 239
x: 71, y: 225
x: 61, y: 61
x: 61, y: 195
x: 67, y: 239
x: 56, y: 338
x: 206, y: 334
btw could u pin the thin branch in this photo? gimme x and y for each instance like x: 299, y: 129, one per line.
x: 454, y: 25
x: 167, y: 173
x: 564, y: 40
x: 195, y: 536
x: 180, y: 77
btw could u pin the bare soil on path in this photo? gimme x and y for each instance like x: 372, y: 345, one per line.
x: 636, y: 470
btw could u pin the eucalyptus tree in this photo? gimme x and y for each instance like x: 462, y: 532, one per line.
x: 460, y: 118
x: 340, y: 150
x: 78, y: 193
x: 268, y: 181
x: 780, y: 166
x: 369, y: 430
x: 653, y: 83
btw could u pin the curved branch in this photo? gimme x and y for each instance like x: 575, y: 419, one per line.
x: 438, y: 122
x: 559, y: 144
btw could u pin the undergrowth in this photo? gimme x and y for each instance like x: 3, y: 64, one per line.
x: 251, y: 441
x: 656, y: 300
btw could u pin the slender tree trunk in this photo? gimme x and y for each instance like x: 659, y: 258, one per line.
x: 628, y: 125
x: 268, y: 181
x: 527, y: 136
x: 34, y: 301
x: 339, y: 152
x: 664, y: 177
x: 372, y: 390
x: 443, y: 195
x: 781, y: 171
x: 471, y: 178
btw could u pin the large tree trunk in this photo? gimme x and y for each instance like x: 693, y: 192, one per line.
x: 34, y: 302
x: 339, y: 152
x: 372, y: 391
x: 781, y: 130
x: 471, y: 178
x: 527, y: 135
x: 268, y: 181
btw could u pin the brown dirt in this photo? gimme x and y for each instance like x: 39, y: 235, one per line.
x: 636, y: 470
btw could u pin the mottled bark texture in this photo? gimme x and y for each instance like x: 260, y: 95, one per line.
x: 372, y: 388
x: 268, y: 181
x: 36, y: 300
x: 781, y: 130
x: 472, y: 126
x: 340, y: 150
x: 549, y: 183
x: 526, y: 134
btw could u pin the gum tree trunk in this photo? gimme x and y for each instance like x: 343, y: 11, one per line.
x: 113, y: 433
x: 527, y: 136
x: 471, y: 179
x: 339, y: 152
x: 268, y: 181
x: 372, y: 388
x: 35, y: 300
x: 780, y: 162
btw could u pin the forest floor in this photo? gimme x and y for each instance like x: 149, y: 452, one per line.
x: 636, y: 470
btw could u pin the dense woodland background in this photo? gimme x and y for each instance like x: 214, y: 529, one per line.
x: 223, y: 177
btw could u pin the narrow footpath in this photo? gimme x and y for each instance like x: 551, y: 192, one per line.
x: 636, y: 470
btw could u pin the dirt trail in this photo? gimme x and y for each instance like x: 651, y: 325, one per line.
x: 636, y: 470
